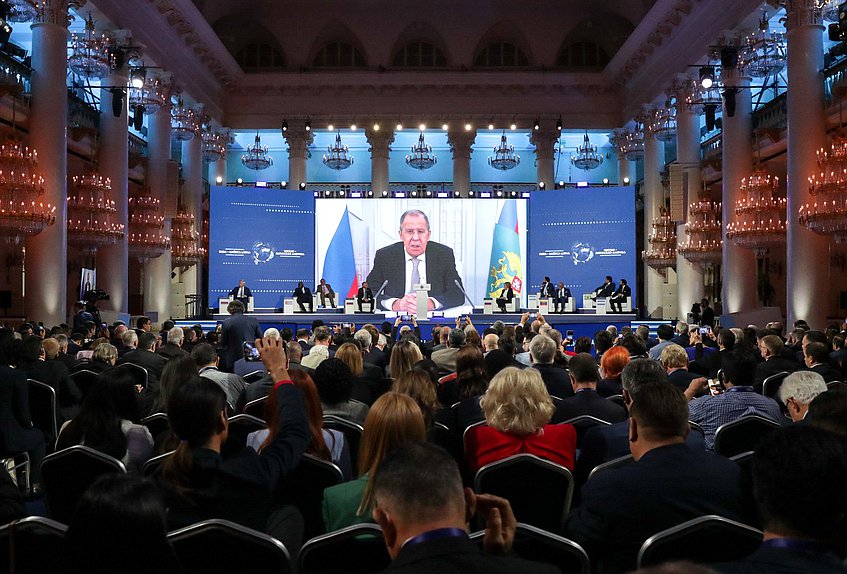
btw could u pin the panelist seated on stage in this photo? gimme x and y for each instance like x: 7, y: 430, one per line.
x: 365, y: 297
x: 414, y: 260
x: 241, y: 293
x: 505, y: 297
x: 618, y: 298
x: 303, y: 296
x: 606, y: 289
x: 560, y: 298
x: 546, y: 290
x: 324, y: 289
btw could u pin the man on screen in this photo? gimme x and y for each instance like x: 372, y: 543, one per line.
x: 618, y: 298
x: 241, y: 293
x: 365, y: 296
x: 415, y: 259
x: 606, y: 289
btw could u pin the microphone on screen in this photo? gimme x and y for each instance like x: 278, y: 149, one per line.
x: 382, y: 287
x: 459, y: 285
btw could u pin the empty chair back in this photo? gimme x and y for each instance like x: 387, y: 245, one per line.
x: 742, y: 435
x: 138, y: 372
x: 352, y: 434
x: 536, y: 544
x: 358, y: 549
x: 256, y: 408
x: 545, y: 503
x: 697, y: 428
x: 448, y: 440
x: 83, y: 379
x: 836, y: 385
x: 239, y: 427
x: 770, y: 386
x: 157, y: 423
x: 43, y: 408
x: 705, y: 539
x: 617, y: 399
x: 33, y: 545
x: 223, y: 546
x: 68, y: 473
x: 305, y: 488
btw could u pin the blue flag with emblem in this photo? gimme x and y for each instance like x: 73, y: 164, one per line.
x: 506, y: 266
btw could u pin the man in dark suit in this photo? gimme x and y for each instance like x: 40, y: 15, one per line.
x: 707, y: 314
x: 606, y: 289
x: 838, y: 356
x: 303, y: 341
x: 618, y: 298
x: 542, y: 351
x: 817, y: 360
x: 366, y: 296
x: 414, y: 260
x: 303, y: 296
x: 424, y: 518
x: 237, y: 329
x: 560, y: 298
x: 582, y: 370
x: 173, y: 348
x: 771, y: 347
x: 665, y: 485
x: 324, y: 289
x: 546, y: 290
x: 241, y: 293
x: 506, y: 296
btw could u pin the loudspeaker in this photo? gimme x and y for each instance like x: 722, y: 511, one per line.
x: 841, y: 305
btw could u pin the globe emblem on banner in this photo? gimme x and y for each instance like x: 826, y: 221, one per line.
x: 582, y: 253
x: 262, y: 252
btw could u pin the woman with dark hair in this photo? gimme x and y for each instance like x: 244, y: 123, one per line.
x: 108, y: 422
x: 120, y: 526
x: 176, y: 371
x: 334, y: 382
x: 327, y: 444
x: 419, y: 387
x: 199, y: 484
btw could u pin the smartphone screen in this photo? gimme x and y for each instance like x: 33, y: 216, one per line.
x: 251, y: 353
x: 569, y: 333
x: 704, y: 330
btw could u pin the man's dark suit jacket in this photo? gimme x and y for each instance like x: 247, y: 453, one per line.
x: 556, y: 380
x: 54, y: 373
x: 770, y: 367
x: 828, y: 372
x: 588, y: 402
x: 768, y: 560
x: 303, y: 295
x: 507, y: 293
x: 460, y: 555
x: 363, y: 293
x: 377, y: 357
x: 245, y: 299
x: 169, y: 351
x: 622, y: 292
x: 237, y: 329
x: 670, y: 484
x: 151, y: 361
x: 546, y: 290
x: 682, y: 378
x: 605, y: 290
x: 390, y: 264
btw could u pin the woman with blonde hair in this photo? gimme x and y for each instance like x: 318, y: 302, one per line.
x: 517, y: 411
x: 393, y: 420
x: 418, y: 386
x: 351, y: 355
x: 404, y: 355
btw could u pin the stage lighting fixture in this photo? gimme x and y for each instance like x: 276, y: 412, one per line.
x: 513, y: 126
x: 559, y: 123
x: 330, y: 127
x: 729, y: 101
x: 384, y: 193
x: 138, y: 118
x: 370, y: 193
x: 219, y: 180
x: 471, y: 193
x: 399, y: 127
x: 137, y: 76
x: 117, y: 101
x: 499, y: 193
x: 316, y: 193
x: 710, y: 110
x: 561, y: 184
x: 428, y: 193
x: 340, y: 193
x: 468, y: 127
x: 541, y: 185
x: 536, y: 125
x: 284, y: 126
x: 457, y: 194
x: 445, y: 127
x: 376, y: 127
x: 513, y: 193
x: 283, y: 184
x: 308, y: 125
x: 422, y: 127
x: 302, y: 185
x: 605, y: 181
x: 5, y: 29
x: 707, y: 76
x: 415, y: 193
x: 626, y: 181
x: 353, y: 127
x: 491, y: 126
x: 239, y: 181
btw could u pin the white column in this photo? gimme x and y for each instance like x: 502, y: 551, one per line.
x: 217, y: 170
x: 625, y: 170
x: 739, y: 264
x: 380, y: 142
x: 298, y: 139
x: 192, y: 198
x: 113, y: 261
x: 47, y: 252
x: 544, y: 140
x: 157, y: 272
x: 654, y: 163
x: 689, y: 277
x: 461, y: 142
x: 807, y: 260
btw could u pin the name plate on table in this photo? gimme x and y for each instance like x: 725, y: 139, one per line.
x: 288, y: 306
x: 488, y: 307
x: 532, y: 301
x: 349, y: 306
x: 544, y: 306
x: 601, y: 306
x: 587, y: 301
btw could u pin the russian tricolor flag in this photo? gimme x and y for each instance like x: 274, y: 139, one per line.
x: 339, y: 263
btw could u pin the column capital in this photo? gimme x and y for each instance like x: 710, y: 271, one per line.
x: 380, y: 142
x: 55, y: 12
x: 544, y: 140
x: 299, y: 139
x: 461, y: 143
x: 799, y: 13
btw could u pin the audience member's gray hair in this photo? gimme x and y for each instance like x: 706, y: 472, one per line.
x: 295, y: 351
x: 542, y: 349
x: 130, y: 338
x: 105, y: 352
x: 612, y: 330
x: 681, y: 327
x: 498, y: 326
x: 642, y: 371
x: 457, y: 338
x: 175, y: 335
x: 273, y: 333
x: 364, y: 338
x: 382, y: 341
x: 802, y: 386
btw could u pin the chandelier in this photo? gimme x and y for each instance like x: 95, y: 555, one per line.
x: 763, y: 52
x: 663, y: 122
x: 829, y: 10
x: 703, y: 229
x: 338, y: 156
x: 631, y: 144
x: 90, y: 214
x: 421, y: 156
x: 504, y: 157
x: 760, y: 213
x: 89, y: 53
x: 214, y: 145
x: 662, y: 252
x: 147, y: 239
x: 149, y: 98
x: 699, y: 99
x: 828, y: 214
x: 257, y: 156
x: 587, y: 157
x: 22, y: 209
x: 185, y: 241
x: 183, y: 122
x: 21, y: 10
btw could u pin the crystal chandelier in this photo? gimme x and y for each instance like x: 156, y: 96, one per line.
x: 214, y: 145
x: 631, y: 144
x: 149, y: 98
x: 183, y: 122
x: 90, y: 212
x: 703, y: 229
x: 21, y: 10
x: 89, y: 53
x: 586, y: 157
x: 663, y: 122
x: 504, y: 157
x: 698, y: 98
x: 147, y: 239
x: 185, y: 241
x: 763, y: 52
x: 257, y: 156
x: 22, y: 209
x: 662, y: 252
x: 760, y: 213
x: 829, y: 10
x: 421, y: 156
x: 828, y: 214
x: 338, y: 156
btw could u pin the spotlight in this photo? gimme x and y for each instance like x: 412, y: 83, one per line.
x: 710, y: 110
x: 316, y: 194
x: 457, y: 194
x: 219, y: 180
x: 605, y: 181
x: 117, y: 101
x: 239, y: 181
x: 399, y: 127
x: 308, y: 125
x: 626, y: 181
x: 561, y: 184
x: 376, y: 127
x: 422, y: 127
x: 536, y: 126
x: 541, y: 185
x: 5, y: 28
x: 707, y: 76
x: 302, y: 185
x: 330, y: 127
x: 468, y: 127
x: 499, y: 193
x: 137, y: 76
x: 559, y: 123
x: 513, y: 193
x: 341, y: 193
x: 471, y: 193
x: 491, y: 126
x: 353, y: 127
x: 384, y: 193
x: 415, y: 193
x: 283, y: 184
x: 445, y: 127
x: 284, y: 126
x: 513, y: 126
x: 370, y: 193
x: 428, y: 193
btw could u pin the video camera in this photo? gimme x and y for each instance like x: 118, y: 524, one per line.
x: 91, y: 297
x: 837, y: 31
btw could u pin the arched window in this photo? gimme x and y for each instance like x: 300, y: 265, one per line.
x: 338, y: 55
x: 419, y: 55
x: 500, y: 55
x: 592, y: 43
x: 585, y: 55
x: 258, y: 56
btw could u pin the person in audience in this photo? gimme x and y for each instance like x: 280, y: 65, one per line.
x: 603, y: 341
x: 404, y: 355
x: 829, y: 411
x: 424, y: 518
x: 419, y: 387
x: 838, y: 356
x: 236, y: 329
x: 103, y: 358
x: 317, y: 355
x: 470, y: 384
x: 681, y: 337
x: 176, y: 372
x: 582, y: 371
x: 798, y: 390
x: 334, y: 382
x: 633, y: 344
x: 611, y: 366
x: 816, y: 358
x: 199, y: 484
x: 665, y: 334
x: 362, y: 389
x: 189, y: 339
x: 518, y: 410
x: 295, y: 359
x: 806, y: 535
x: 446, y: 358
x: 207, y: 359
x: 542, y: 350
x: 394, y: 420
x: 32, y: 360
x: 64, y: 356
x: 326, y: 444
x: 145, y: 356
x: 116, y: 509
x: 666, y: 485
x: 108, y: 422
x: 129, y: 343
x: 771, y: 350
x: 11, y: 500
x: 173, y: 348
x: 675, y: 361
x: 738, y: 400
x: 489, y: 342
